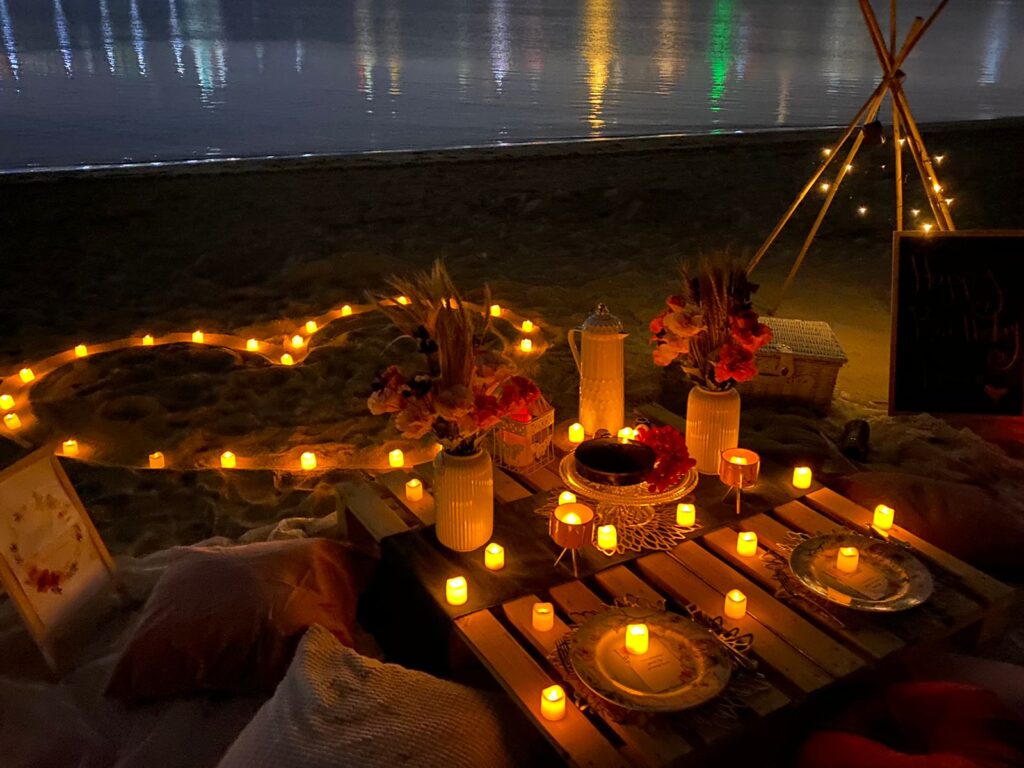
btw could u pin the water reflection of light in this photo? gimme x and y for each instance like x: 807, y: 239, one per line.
x: 720, y: 52
x: 782, y: 111
x: 533, y: 44
x: 8, y: 32
x: 300, y: 55
x: 996, y: 37
x: 60, y: 22
x: 501, y: 54
x: 108, y: 36
x: 177, y: 43
x: 138, y: 36
x: 393, y: 45
x: 743, y: 45
x: 667, y: 53
x: 462, y: 46
x: 204, y: 32
x: 598, y: 52
x: 366, y: 56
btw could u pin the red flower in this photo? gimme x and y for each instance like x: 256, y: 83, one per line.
x: 748, y: 331
x: 736, y: 363
x: 672, y: 460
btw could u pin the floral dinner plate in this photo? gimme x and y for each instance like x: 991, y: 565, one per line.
x: 888, y: 577
x: 684, y: 666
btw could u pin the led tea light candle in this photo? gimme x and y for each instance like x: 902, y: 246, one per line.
x: 396, y: 458
x: 494, y: 557
x: 297, y: 341
x: 147, y: 341
x: 846, y: 560
x: 414, y: 490
x: 156, y: 460
x: 308, y: 460
x: 802, y: 477
x: 526, y: 345
x: 884, y: 517
x: 228, y: 460
x: 69, y: 447
x: 576, y: 433
x: 735, y: 604
x: 403, y: 300
x: 543, y: 617
x: 311, y: 326
x: 11, y: 421
x: 26, y: 375
x: 567, y: 497
x: 637, y: 639
x: 746, y: 544
x: 198, y: 337
x: 552, y: 703
x: 456, y: 591
x: 626, y: 433
x: 528, y: 326
x: 252, y: 345
x: 287, y: 359
x: 346, y: 311
x: 607, y: 538
x: 81, y: 350
x: 6, y: 402
x: 686, y: 515
x: 495, y: 310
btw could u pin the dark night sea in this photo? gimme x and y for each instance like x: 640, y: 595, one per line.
x: 90, y: 82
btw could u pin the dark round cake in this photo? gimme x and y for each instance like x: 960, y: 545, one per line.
x: 611, y: 461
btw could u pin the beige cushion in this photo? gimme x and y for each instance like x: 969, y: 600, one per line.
x: 337, y: 708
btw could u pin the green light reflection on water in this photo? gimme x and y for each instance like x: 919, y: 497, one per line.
x: 720, y: 51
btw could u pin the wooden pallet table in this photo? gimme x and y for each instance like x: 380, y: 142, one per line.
x: 803, y: 647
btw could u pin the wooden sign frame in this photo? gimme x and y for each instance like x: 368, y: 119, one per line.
x: 898, y: 237
x: 68, y: 518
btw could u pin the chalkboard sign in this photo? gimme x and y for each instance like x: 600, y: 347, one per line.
x: 958, y: 322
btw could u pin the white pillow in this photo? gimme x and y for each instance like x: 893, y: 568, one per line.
x: 337, y: 708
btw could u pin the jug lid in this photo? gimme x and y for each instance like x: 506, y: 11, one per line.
x: 602, y: 321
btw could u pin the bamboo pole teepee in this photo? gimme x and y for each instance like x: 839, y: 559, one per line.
x: 905, y: 132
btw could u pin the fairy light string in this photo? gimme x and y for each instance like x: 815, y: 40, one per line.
x: 279, y: 349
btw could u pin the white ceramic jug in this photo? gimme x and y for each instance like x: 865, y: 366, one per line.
x: 600, y: 358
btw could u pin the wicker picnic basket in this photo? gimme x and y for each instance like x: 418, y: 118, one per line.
x: 800, y: 364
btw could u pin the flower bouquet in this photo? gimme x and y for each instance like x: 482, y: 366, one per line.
x: 466, y: 386
x: 712, y: 328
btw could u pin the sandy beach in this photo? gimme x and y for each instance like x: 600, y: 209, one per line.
x: 553, y: 230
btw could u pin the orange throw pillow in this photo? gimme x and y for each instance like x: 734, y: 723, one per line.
x: 229, y: 618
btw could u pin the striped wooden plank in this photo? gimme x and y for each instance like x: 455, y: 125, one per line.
x: 874, y: 642
x: 395, y: 483
x: 620, y: 581
x: 576, y: 600
x: 507, y: 488
x: 787, y: 666
x: 861, y: 631
x: 363, y: 499
x: 575, y: 737
x: 826, y: 652
x: 977, y: 582
x: 652, y: 746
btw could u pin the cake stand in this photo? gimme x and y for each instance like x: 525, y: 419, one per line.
x: 643, y: 520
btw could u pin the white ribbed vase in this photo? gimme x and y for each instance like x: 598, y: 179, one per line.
x: 464, y: 500
x: 712, y: 426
